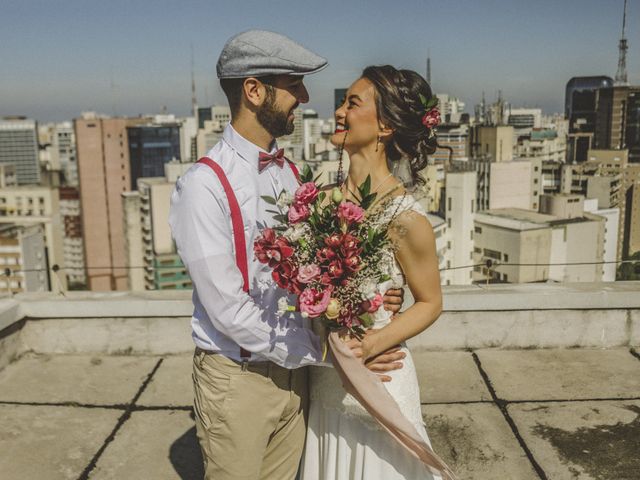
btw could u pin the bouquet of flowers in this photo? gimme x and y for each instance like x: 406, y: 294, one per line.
x: 328, y: 251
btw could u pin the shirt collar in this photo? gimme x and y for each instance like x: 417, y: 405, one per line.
x: 249, y: 151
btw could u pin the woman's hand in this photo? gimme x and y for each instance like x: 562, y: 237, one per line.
x: 393, y: 299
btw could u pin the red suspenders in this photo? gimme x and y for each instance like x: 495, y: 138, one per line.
x: 238, y: 225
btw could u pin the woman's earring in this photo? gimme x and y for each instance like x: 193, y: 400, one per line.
x: 377, y: 142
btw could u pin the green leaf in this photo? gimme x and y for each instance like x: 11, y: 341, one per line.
x: 322, y: 196
x: 280, y: 218
x: 274, y: 212
x: 307, y: 174
x: 269, y: 200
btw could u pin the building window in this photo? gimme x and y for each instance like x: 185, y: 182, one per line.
x: 505, y: 257
x: 472, y: 205
x: 449, y: 204
x: 470, y: 234
x: 478, y: 229
x: 448, y: 244
x: 449, y: 222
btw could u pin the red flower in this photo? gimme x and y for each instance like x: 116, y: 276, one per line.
x: 333, y: 241
x: 298, y: 212
x: 335, y: 269
x: 325, y: 254
x: 431, y: 118
x: 352, y: 263
x: 285, y: 275
x: 271, y: 249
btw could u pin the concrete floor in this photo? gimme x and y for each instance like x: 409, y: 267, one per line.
x: 491, y: 414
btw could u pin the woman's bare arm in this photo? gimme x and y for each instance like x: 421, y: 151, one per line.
x: 417, y: 256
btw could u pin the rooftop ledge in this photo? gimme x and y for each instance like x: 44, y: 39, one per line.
x: 537, y: 315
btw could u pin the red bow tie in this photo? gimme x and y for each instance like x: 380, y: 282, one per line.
x: 265, y: 159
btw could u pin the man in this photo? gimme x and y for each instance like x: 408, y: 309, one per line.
x: 250, y: 394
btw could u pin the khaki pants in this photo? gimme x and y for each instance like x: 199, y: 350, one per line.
x: 250, y: 422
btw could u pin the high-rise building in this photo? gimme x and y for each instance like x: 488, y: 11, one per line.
x: 460, y: 210
x: 493, y: 141
x: 454, y: 143
x: 148, y: 239
x: 524, y: 117
x: 23, y: 254
x: 19, y: 146
x: 150, y: 147
x: 73, y: 246
x: 581, y: 104
x: 103, y: 170
x: 618, y: 120
x: 28, y: 205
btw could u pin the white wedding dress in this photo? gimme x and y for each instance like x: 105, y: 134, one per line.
x: 343, y: 441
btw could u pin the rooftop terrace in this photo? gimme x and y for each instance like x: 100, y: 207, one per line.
x: 517, y: 382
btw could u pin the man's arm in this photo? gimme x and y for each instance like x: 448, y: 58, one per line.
x: 200, y: 226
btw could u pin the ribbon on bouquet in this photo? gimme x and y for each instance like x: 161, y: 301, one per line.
x: 369, y: 390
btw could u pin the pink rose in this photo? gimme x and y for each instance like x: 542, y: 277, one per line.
x: 298, y: 212
x: 308, y: 273
x: 306, y: 193
x: 350, y: 212
x: 375, y: 303
x: 314, y: 302
x: 431, y: 118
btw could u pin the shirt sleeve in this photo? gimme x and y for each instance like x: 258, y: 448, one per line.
x: 200, y: 225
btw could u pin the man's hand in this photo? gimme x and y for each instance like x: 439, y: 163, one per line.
x: 393, y: 299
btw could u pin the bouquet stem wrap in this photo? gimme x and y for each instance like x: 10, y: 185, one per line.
x: 368, y: 389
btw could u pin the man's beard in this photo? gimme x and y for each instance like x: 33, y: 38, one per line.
x: 274, y: 121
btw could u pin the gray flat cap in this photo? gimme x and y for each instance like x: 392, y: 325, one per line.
x: 258, y: 53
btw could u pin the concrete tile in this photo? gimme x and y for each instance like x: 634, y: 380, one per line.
x: 51, y: 442
x: 153, y: 444
x: 562, y: 374
x: 476, y: 442
x: 449, y: 377
x: 74, y: 378
x: 582, y: 440
x: 171, y: 384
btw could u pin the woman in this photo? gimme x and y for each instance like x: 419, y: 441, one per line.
x: 382, y: 120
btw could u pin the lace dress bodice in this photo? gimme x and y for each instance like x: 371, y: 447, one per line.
x: 326, y: 387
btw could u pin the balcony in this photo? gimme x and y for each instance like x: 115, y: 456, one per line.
x: 518, y: 382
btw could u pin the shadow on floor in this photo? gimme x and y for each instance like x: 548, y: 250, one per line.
x: 186, y: 457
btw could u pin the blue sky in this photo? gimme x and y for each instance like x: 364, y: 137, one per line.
x: 58, y: 58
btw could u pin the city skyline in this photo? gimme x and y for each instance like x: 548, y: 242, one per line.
x: 129, y: 59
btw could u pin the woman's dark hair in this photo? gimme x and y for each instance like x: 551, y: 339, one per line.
x: 400, y: 108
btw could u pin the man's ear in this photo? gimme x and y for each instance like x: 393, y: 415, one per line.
x: 254, y: 91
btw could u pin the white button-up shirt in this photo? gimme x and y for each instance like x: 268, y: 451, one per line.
x: 226, y: 318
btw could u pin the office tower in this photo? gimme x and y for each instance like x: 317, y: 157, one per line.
x: 581, y: 104
x: 611, y: 229
x: 148, y: 238
x: 73, y: 245
x: 524, y: 117
x: 618, y: 120
x: 460, y: 210
x: 23, y: 254
x: 28, y: 205
x: 150, y: 147
x: 454, y: 143
x: 451, y: 108
x: 496, y: 142
x: 103, y: 170
x: 19, y: 146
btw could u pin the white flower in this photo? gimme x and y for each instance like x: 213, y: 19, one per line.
x: 368, y: 288
x: 283, y: 306
x: 296, y: 231
x: 284, y: 200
